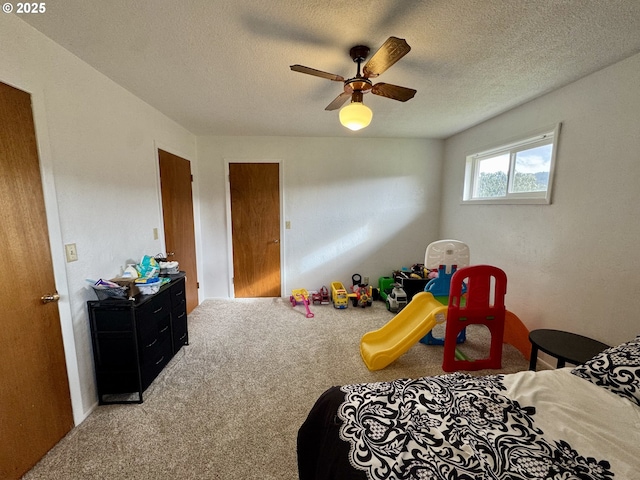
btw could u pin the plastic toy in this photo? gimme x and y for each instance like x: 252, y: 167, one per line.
x: 381, y: 347
x: 445, y: 257
x: 446, y: 252
x: 385, y: 286
x: 396, y: 299
x: 339, y: 296
x: 517, y: 334
x: 439, y: 286
x: 315, y: 297
x: 484, y: 305
x: 324, y: 293
x: 362, y: 295
x: 321, y: 297
x: 300, y: 295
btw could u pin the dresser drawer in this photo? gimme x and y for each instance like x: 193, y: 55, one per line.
x: 178, y: 295
x: 179, y: 325
x: 114, y: 352
x: 157, y: 306
x: 149, y: 347
x: 153, y: 318
x: 112, y: 319
x: 154, y: 360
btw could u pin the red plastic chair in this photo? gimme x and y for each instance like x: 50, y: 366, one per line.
x: 484, y: 305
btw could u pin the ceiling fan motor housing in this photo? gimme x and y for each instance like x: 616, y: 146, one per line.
x: 357, y: 84
x: 359, y: 53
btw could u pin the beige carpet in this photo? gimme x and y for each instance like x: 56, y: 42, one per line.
x: 229, y: 405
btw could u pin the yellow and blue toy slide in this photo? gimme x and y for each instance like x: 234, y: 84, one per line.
x: 381, y: 347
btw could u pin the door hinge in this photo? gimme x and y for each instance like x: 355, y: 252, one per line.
x: 197, y: 284
x: 191, y: 178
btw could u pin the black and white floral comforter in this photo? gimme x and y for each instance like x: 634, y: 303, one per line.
x: 544, y: 425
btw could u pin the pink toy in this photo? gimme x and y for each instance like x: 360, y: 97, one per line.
x: 300, y: 295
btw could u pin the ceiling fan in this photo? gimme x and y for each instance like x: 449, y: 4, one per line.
x: 392, y: 50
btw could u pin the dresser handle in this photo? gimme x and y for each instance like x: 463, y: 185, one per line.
x: 152, y: 343
x: 183, y: 336
x: 160, y: 361
x: 182, y: 315
x: 164, y: 329
x: 156, y: 311
x: 180, y: 293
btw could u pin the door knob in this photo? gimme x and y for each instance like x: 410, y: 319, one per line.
x: 170, y: 254
x: 50, y: 297
x: 276, y: 241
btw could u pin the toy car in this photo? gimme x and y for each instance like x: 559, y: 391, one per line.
x: 362, y: 295
x: 339, y: 296
x: 396, y: 299
x: 315, y: 297
x: 321, y: 297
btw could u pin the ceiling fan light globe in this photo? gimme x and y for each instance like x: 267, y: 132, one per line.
x: 356, y: 116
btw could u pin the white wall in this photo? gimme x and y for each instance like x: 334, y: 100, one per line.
x: 356, y: 205
x: 573, y: 264
x: 98, y: 155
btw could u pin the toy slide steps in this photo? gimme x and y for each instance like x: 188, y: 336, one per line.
x: 381, y: 347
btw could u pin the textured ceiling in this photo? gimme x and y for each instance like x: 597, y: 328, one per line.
x: 222, y: 67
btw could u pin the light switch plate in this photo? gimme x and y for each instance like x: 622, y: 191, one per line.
x: 72, y: 252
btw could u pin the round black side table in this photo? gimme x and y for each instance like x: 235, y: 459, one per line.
x: 565, y: 346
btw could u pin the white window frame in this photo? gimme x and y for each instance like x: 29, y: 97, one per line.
x: 541, y: 137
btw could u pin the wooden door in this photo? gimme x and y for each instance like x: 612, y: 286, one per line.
x: 255, y: 229
x: 177, y: 211
x: 35, y: 402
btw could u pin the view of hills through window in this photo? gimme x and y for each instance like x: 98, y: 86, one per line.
x: 531, y: 172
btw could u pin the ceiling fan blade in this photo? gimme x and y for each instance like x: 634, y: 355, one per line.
x: 393, y: 91
x: 389, y: 53
x: 317, y: 73
x: 338, y: 101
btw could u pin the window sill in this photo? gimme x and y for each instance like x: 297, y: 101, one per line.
x: 508, y: 201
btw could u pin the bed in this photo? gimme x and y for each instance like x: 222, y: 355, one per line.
x: 570, y: 423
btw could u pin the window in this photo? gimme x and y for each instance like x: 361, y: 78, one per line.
x: 516, y: 172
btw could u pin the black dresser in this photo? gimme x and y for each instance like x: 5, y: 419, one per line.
x: 133, y: 340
